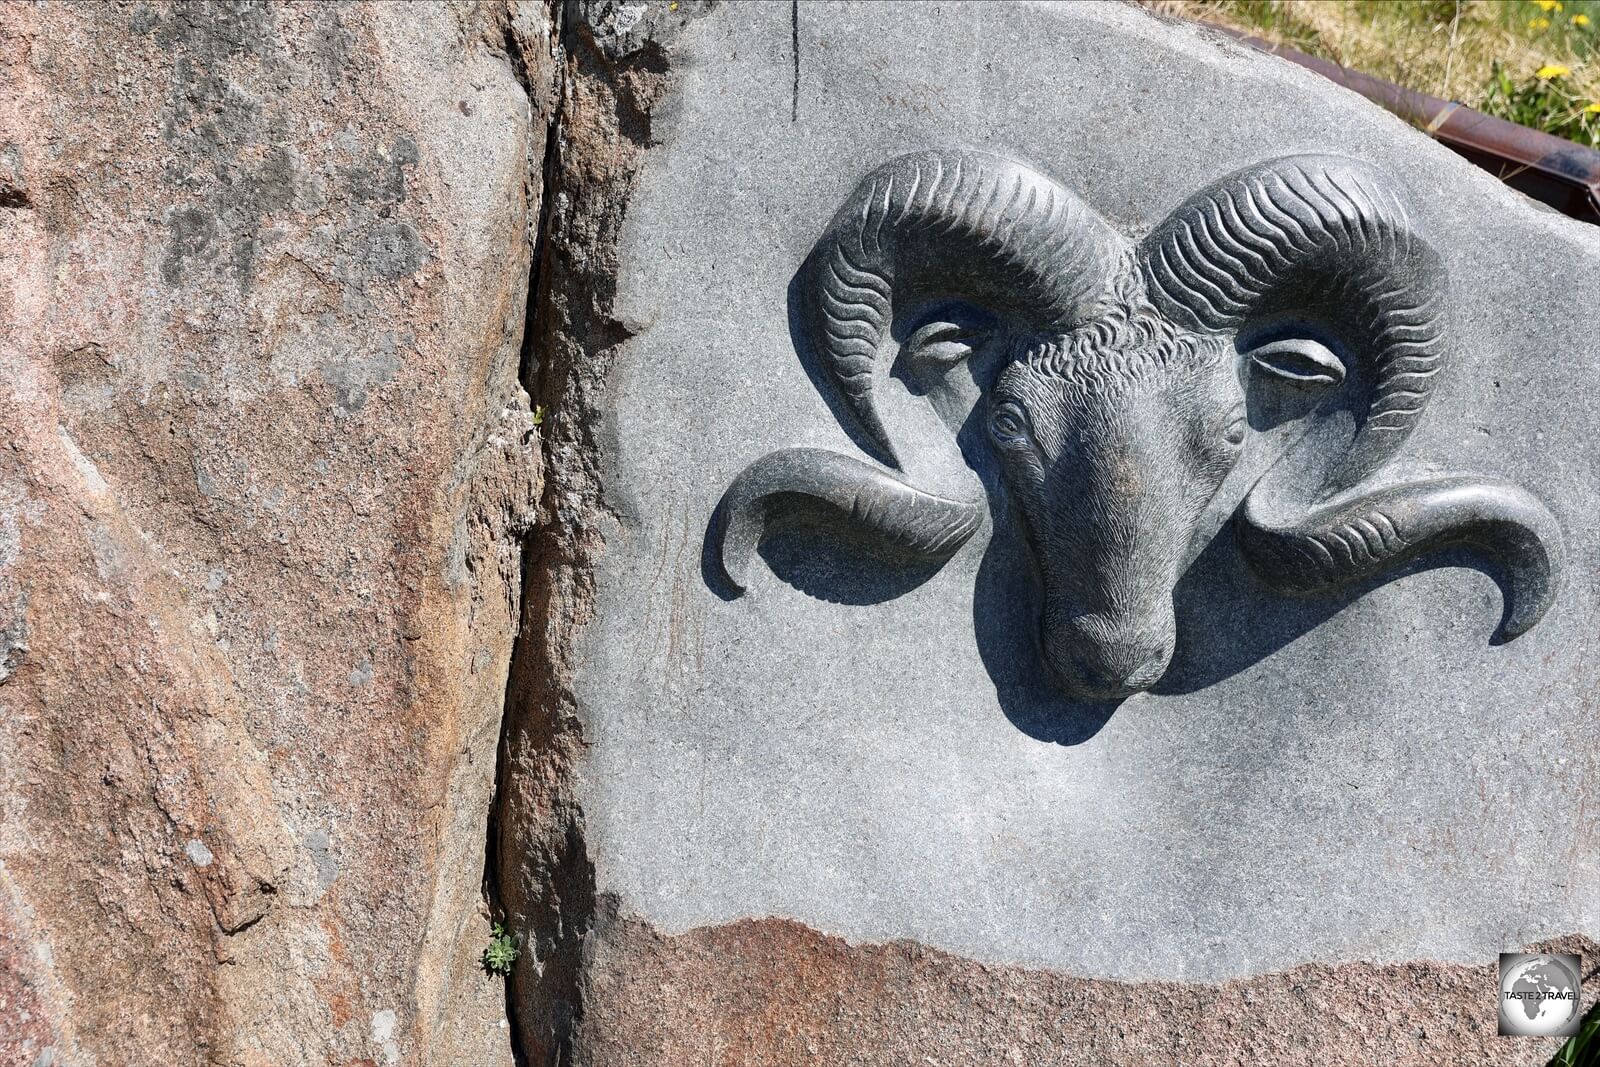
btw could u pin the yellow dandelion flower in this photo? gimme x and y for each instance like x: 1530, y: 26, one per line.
x: 1548, y: 6
x: 1594, y: 108
x: 1552, y: 70
x: 1538, y: 24
x: 1580, y: 20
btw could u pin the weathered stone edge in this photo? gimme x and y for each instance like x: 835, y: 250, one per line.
x: 775, y: 992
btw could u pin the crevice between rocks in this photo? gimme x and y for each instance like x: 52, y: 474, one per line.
x: 527, y: 649
x: 539, y: 876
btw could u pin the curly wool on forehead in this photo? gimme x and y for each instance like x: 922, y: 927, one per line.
x: 1125, y: 345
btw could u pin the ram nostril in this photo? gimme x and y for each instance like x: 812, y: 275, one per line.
x: 1096, y: 659
x: 1148, y: 667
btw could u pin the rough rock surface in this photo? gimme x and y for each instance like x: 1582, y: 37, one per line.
x: 267, y: 463
x: 774, y: 993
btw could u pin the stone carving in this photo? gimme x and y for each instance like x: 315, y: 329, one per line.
x: 1111, y: 380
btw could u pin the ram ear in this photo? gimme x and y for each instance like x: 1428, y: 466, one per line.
x: 1300, y: 361
x: 939, y: 345
x: 944, y: 336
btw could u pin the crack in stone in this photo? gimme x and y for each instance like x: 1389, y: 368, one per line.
x: 543, y: 878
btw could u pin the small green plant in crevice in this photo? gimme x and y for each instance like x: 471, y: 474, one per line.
x: 1583, y: 1048
x: 538, y: 414
x: 1545, y: 102
x: 501, y: 953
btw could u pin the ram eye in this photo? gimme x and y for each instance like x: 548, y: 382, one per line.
x: 1008, y: 423
x: 1299, y: 361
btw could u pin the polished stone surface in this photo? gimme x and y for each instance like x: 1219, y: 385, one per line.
x: 871, y: 745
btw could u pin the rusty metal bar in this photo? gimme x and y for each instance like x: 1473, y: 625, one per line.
x: 1551, y: 169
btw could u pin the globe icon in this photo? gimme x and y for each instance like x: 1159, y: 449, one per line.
x: 1539, y: 996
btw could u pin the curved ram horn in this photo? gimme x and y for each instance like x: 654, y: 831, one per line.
x: 930, y: 225
x: 1339, y: 543
x: 921, y: 523
x: 1329, y: 239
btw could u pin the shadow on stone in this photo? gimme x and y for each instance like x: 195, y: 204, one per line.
x: 1228, y: 621
x: 839, y: 564
x: 1005, y: 613
x: 826, y: 558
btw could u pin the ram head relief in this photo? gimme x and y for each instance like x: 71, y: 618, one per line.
x: 1112, y: 379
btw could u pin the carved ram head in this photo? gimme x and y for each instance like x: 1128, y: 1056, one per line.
x: 1112, y: 380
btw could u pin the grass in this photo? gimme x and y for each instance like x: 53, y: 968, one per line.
x: 1583, y: 1049
x: 1536, y: 62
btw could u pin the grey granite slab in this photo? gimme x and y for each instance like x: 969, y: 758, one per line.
x: 872, y: 745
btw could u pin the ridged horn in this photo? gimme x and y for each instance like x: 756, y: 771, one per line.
x: 1323, y: 236
x: 1330, y: 240
x: 1339, y: 543
x: 955, y: 224
x: 930, y: 225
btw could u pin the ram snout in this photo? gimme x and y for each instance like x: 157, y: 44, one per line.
x: 1107, y: 656
x: 1111, y: 459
